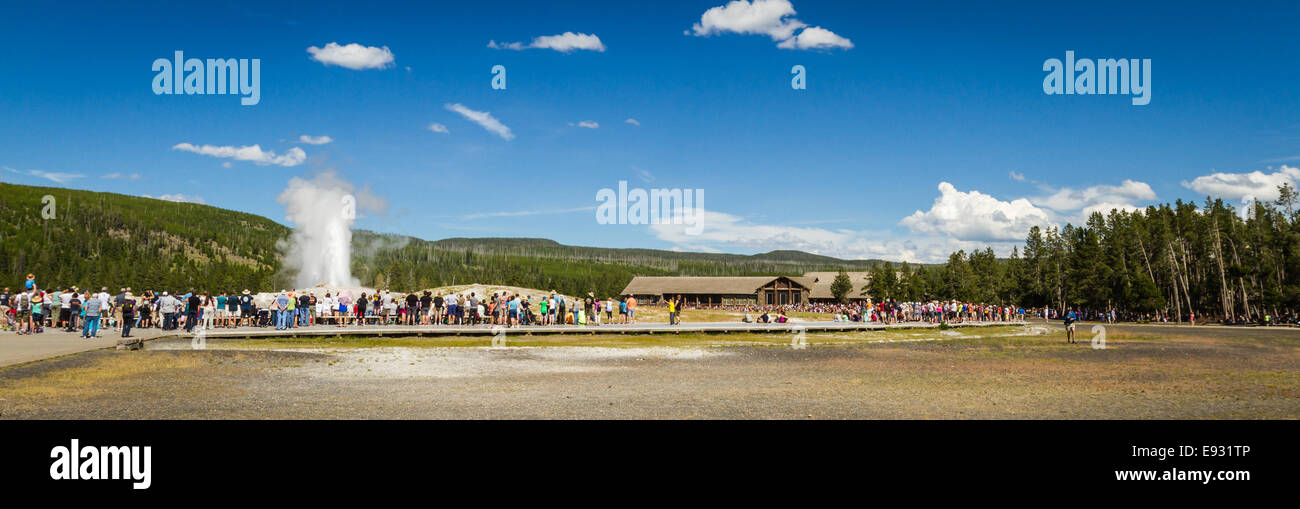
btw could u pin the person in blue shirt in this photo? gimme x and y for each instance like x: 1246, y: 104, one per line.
x: 282, y: 312
x: 1070, y: 319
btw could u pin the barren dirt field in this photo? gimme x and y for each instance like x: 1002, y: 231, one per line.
x: 1029, y: 372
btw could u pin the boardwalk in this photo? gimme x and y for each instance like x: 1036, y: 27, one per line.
x: 16, y: 349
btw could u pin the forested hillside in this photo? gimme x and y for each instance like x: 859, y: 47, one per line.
x: 106, y: 239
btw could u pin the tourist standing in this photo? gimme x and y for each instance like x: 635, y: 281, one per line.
x: 127, y: 311
x: 93, y: 307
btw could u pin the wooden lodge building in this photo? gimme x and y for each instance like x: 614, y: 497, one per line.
x: 723, y: 291
x: 821, y: 291
x: 813, y: 287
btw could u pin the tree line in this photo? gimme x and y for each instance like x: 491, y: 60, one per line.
x: 1171, y: 260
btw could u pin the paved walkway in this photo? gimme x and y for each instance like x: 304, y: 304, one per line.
x: 18, y: 349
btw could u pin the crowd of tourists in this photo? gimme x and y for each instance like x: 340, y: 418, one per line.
x: 33, y: 310
x: 889, y: 311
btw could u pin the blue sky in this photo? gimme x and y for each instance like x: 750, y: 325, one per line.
x: 900, y: 98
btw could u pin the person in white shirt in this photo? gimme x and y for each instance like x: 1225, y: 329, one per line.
x: 65, y: 307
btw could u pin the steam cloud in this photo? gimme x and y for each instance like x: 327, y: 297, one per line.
x: 322, y: 211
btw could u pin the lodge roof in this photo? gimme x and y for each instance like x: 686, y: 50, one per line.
x: 693, y: 285
x: 821, y: 288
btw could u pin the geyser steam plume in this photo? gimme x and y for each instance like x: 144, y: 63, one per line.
x: 322, y: 211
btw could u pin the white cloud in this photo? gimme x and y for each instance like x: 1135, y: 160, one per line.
x: 315, y: 140
x: 589, y: 124
x: 484, y: 120
x: 975, y: 216
x: 507, y: 45
x: 438, y: 128
x: 564, y: 43
x: 1122, y: 196
x: 633, y: 121
x: 773, y: 18
x: 816, y: 38
x: 253, y: 153
x: 1018, y: 177
x: 116, y: 176
x: 57, y: 177
x: 180, y: 198
x: 1255, y: 185
x: 569, y: 41
x: 723, y: 232
x: 353, y: 56
x: 764, y: 17
x: 956, y: 220
x: 1105, y: 208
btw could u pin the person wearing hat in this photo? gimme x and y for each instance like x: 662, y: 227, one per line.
x: 246, y: 307
x: 167, y: 308
x: 118, y: 301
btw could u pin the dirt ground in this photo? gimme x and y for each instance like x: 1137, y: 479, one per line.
x: 1144, y: 372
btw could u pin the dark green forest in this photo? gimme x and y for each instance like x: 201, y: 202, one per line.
x: 92, y: 239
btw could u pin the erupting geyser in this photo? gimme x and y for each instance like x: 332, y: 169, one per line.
x: 322, y: 211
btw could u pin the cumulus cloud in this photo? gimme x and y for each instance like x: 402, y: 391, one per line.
x: 353, y: 56
x: 564, y: 43
x: 727, y: 229
x: 1105, y: 208
x: 589, y: 124
x: 633, y: 121
x: 956, y: 220
x: 483, y: 119
x: 57, y: 177
x: 253, y: 153
x: 773, y: 18
x: 975, y: 216
x: 1122, y: 196
x: 315, y: 140
x: 1255, y: 185
x: 1018, y: 177
x: 179, y: 198
x: 438, y: 128
x: 815, y: 38
x: 724, y: 232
